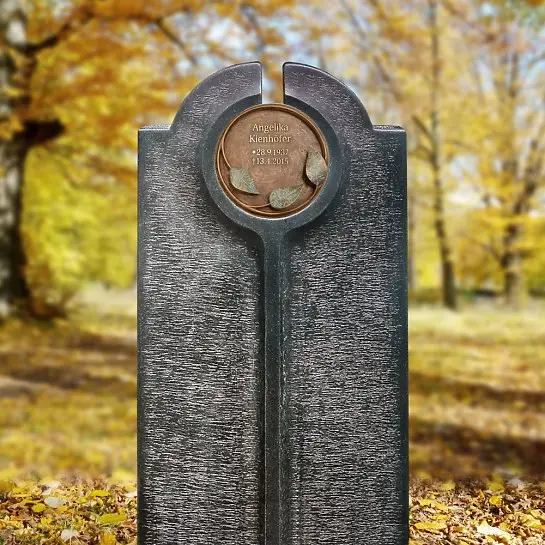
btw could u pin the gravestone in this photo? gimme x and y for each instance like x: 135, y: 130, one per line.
x: 272, y: 318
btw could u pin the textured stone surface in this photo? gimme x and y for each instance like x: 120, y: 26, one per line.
x: 346, y: 338
x: 198, y: 344
x: 343, y: 337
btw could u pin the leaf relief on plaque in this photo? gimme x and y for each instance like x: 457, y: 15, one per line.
x: 284, y: 197
x: 242, y: 180
x: 316, y: 168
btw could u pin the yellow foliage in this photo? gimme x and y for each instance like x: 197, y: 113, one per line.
x: 430, y: 526
x: 108, y: 539
x: 101, y: 70
x: 112, y: 66
x: 66, y: 240
x: 496, y: 500
x: 111, y: 519
x: 99, y: 493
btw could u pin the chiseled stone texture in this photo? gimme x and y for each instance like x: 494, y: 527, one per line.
x: 346, y: 355
x: 199, y: 346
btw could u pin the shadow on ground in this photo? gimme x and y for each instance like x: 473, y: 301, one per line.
x: 69, y: 360
x: 68, y: 401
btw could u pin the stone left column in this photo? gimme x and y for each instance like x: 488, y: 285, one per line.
x: 200, y: 336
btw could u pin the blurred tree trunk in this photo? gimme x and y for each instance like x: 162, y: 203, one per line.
x: 513, y: 283
x: 17, y: 64
x: 448, y: 279
x: 12, y: 157
x: 507, y: 63
x: 12, y: 280
x: 512, y: 259
x: 391, y: 66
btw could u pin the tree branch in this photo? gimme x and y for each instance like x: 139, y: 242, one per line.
x: 423, y: 152
x: 386, y: 78
x: 356, y: 24
x: 73, y: 23
x: 252, y: 19
x: 36, y: 133
x: 83, y: 16
x: 422, y: 126
x: 175, y: 39
x: 488, y: 248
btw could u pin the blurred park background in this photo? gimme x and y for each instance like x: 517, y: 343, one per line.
x: 79, y: 77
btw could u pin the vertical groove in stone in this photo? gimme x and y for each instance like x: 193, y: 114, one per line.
x: 272, y: 374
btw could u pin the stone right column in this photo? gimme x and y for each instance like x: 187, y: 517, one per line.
x: 345, y: 331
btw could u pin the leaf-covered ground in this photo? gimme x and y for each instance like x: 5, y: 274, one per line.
x: 477, y: 381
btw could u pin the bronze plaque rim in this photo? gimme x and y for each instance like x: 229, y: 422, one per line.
x: 220, y: 154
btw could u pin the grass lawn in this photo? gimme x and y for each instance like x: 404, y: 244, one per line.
x: 477, y: 384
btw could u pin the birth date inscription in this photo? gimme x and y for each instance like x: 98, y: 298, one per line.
x: 272, y: 160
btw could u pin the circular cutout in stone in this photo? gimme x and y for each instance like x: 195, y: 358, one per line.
x: 272, y: 160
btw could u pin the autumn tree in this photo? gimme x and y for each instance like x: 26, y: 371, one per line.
x: 506, y: 101
x: 76, y: 80
x: 403, y: 69
x: 467, y: 80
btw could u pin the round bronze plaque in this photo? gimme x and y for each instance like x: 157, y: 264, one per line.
x: 272, y: 160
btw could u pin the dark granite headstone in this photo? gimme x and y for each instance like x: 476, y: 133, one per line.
x: 272, y: 319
